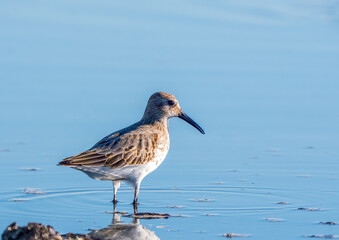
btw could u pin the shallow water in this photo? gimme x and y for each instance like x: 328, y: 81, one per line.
x: 262, y: 80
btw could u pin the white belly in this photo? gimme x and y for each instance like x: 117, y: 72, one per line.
x: 133, y: 173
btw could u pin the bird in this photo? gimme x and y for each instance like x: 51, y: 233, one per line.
x: 133, y: 152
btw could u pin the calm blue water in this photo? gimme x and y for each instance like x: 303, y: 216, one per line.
x: 260, y: 78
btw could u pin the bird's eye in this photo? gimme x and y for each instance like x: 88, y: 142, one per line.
x: 170, y: 102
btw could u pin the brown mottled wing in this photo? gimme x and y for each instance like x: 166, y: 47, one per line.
x: 128, y: 149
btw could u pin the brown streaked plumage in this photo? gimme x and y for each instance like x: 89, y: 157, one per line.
x: 127, y: 150
x: 133, y: 152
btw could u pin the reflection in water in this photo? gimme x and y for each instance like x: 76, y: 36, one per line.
x: 120, y: 230
x: 123, y: 231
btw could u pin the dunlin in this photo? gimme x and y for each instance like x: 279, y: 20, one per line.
x: 133, y: 152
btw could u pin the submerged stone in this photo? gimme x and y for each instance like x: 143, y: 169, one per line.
x: 149, y: 215
x: 233, y: 235
x: 323, y: 236
x: 308, y: 209
x: 329, y: 223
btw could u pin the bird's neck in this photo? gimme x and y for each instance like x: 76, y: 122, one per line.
x: 160, y: 122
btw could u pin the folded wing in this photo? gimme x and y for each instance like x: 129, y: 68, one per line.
x: 120, y: 151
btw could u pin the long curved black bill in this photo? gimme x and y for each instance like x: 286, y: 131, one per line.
x: 184, y: 116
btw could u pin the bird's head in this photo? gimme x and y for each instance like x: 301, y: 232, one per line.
x: 162, y: 105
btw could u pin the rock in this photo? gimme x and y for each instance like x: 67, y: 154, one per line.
x: 123, y: 232
x: 33, y: 231
x: 72, y: 236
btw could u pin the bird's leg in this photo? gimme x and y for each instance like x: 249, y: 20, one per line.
x: 136, y: 193
x: 114, y: 207
x: 114, y: 193
x: 136, y: 220
x: 116, y: 185
x: 116, y: 217
x: 135, y: 208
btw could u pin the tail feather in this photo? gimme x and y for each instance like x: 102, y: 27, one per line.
x: 65, y: 162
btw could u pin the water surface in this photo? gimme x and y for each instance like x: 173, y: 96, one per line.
x: 261, y: 79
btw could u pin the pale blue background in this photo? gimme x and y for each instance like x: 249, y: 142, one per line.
x: 261, y: 78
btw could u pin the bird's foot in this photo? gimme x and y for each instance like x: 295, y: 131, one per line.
x: 135, y: 207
